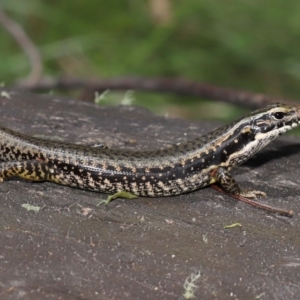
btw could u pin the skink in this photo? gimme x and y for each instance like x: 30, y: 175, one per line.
x: 179, y: 169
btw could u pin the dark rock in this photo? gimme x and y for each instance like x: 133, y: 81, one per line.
x: 143, y: 248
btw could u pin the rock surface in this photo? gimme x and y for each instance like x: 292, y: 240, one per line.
x: 57, y: 244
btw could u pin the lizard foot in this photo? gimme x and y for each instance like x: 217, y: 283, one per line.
x: 251, y: 193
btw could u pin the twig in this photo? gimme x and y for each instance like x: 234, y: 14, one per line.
x: 170, y: 85
x: 28, y: 47
x: 280, y: 211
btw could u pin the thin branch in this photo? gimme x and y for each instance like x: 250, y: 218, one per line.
x: 166, y: 85
x: 273, y: 209
x: 27, y: 46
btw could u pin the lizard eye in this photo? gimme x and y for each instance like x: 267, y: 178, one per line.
x: 279, y: 115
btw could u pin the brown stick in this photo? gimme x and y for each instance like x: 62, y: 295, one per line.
x: 280, y: 211
x: 177, y: 86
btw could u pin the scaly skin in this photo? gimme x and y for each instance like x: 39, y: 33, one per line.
x: 179, y: 169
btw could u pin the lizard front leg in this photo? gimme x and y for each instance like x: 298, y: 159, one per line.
x: 230, y: 186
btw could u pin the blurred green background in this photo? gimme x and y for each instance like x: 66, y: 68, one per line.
x: 251, y: 45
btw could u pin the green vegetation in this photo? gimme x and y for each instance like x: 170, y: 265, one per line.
x: 251, y: 45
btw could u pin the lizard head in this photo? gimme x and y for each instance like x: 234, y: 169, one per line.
x: 274, y: 120
x: 248, y: 135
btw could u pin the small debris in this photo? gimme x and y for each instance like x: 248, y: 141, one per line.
x: 169, y: 221
x: 99, y: 97
x: 233, y: 225
x: 5, y: 94
x: 205, y: 240
x: 31, y: 207
x: 128, y: 98
x: 85, y: 211
x: 189, y: 285
x: 259, y: 296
